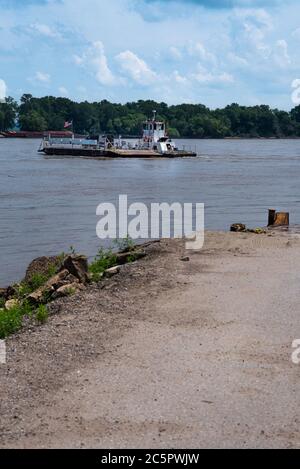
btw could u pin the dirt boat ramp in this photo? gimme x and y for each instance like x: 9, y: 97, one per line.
x: 169, y: 353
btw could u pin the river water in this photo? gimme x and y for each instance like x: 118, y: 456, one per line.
x: 49, y: 204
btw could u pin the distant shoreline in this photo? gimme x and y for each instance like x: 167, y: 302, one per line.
x: 174, y: 138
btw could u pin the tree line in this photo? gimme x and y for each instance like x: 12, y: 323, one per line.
x: 184, y: 120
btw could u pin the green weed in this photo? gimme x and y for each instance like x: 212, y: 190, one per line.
x: 12, y: 320
x: 125, y: 244
x: 104, y: 260
x: 41, y: 314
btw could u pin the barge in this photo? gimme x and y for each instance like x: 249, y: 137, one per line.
x: 31, y: 134
x: 154, y: 143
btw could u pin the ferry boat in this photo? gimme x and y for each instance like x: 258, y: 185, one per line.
x: 154, y: 143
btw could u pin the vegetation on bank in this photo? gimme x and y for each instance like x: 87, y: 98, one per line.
x: 20, y: 308
x: 184, y: 120
x: 12, y: 318
x: 103, y: 260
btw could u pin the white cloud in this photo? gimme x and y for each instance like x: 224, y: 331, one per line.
x: 44, y: 30
x: 95, y: 60
x: 296, y: 33
x: 225, y: 77
x: 175, y: 53
x: 296, y: 83
x: 241, y: 40
x: 179, y: 78
x: 136, y: 68
x: 237, y: 60
x: 254, y: 45
x: 78, y: 60
x: 3, y: 90
x: 42, y: 77
x: 206, y: 77
x: 63, y: 91
x: 281, y: 55
x: 249, y: 31
x: 198, y: 49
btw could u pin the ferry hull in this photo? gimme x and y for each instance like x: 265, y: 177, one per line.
x: 114, y: 153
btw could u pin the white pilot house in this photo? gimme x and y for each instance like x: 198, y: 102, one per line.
x: 155, y: 136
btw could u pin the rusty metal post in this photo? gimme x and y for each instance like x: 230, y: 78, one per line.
x: 282, y: 219
x: 272, y: 214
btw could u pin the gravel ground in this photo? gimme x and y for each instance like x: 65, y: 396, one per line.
x: 165, y: 354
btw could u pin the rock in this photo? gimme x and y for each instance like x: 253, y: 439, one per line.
x: 238, y: 227
x: 40, y: 295
x: 125, y: 257
x: 66, y: 290
x: 112, y: 271
x: 48, y: 289
x: 11, y: 304
x: 56, y: 280
x: 41, y: 266
x: 77, y: 266
x: 10, y: 292
x: 185, y: 259
x: 71, y: 279
x: 61, y: 279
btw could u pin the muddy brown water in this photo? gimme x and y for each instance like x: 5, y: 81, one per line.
x: 49, y: 204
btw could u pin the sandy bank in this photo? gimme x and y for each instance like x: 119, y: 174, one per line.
x: 166, y: 354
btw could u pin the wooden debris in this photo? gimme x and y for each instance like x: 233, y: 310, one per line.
x: 278, y: 218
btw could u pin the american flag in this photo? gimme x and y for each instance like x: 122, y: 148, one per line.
x: 68, y: 124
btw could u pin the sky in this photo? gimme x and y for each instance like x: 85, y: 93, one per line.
x: 194, y: 51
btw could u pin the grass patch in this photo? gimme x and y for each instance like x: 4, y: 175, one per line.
x: 11, y: 320
x: 36, y: 281
x: 60, y: 258
x: 106, y: 258
x: 71, y: 291
x: 25, y: 288
x: 124, y: 245
x: 103, y: 260
x: 53, y: 269
x: 131, y: 258
x: 41, y: 314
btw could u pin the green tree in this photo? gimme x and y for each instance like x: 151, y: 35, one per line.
x: 173, y: 132
x: 295, y: 114
x: 185, y: 120
x: 8, y: 114
x: 33, y: 121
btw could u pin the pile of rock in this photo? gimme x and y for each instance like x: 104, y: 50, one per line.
x: 72, y: 276
x: 41, y: 266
